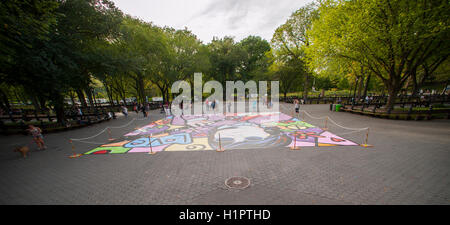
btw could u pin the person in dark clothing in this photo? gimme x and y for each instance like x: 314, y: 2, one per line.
x: 144, y: 111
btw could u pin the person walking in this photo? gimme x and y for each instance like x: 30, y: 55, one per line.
x: 207, y: 105
x: 125, y: 111
x: 297, y: 105
x: 166, y: 108
x: 135, y: 108
x: 147, y: 109
x: 213, y: 105
x: 36, y: 132
x: 143, y: 111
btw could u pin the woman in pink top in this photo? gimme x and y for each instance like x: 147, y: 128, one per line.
x: 36, y: 132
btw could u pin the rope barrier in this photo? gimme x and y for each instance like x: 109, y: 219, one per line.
x: 107, y: 129
x: 74, y: 155
x: 353, y: 130
x: 93, y: 136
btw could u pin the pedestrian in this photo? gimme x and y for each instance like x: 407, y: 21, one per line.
x: 166, y: 108
x: 297, y: 105
x: 229, y: 106
x: 143, y: 111
x: 36, y: 132
x: 213, y: 104
x: 207, y: 105
x: 125, y: 111
x: 135, y: 108
x: 147, y: 109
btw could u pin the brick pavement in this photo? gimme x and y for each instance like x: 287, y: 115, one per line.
x: 409, y: 164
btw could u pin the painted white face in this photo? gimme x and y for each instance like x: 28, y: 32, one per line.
x: 241, y: 133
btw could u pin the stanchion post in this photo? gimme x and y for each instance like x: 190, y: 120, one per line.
x: 295, y: 147
x: 326, y: 124
x: 74, y: 155
x: 219, y: 149
x: 109, y: 135
x: 365, y: 145
x: 150, y: 143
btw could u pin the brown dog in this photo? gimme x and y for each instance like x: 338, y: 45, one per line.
x: 23, y: 150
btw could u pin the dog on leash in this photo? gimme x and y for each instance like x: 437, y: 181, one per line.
x: 23, y: 150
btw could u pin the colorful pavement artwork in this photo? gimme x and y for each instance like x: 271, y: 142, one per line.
x: 236, y: 131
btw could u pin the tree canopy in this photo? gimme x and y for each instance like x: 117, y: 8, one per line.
x: 54, y: 49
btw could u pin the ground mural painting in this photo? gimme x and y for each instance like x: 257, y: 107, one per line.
x: 237, y: 131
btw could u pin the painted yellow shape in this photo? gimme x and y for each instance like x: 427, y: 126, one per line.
x: 172, y: 127
x: 196, y: 145
x: 322, y: 144
x: 117, y: 144
x: 161, y: 122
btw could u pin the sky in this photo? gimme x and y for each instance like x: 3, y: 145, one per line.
x: 215, y: 18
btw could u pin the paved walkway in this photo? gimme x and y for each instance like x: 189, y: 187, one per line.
x: 410, y: 164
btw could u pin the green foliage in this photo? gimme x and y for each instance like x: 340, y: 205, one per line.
x: 56, y: 48
x: 391, y: 39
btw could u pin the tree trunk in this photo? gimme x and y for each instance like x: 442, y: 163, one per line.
x: 415, y: 89
x: 72, y: 97
x: 393, y: 87
x: 89, y: 95
x: 366, y: 87
x: 109, y: 93
x: 360, y: 86
x: 141, y: 87
x: 42, y: 101
x: 305, y: 88
x: 81, y: 98
x: 5, y: 101
x: 354, y: 89
x: 35, y: 102
x: 391, y: 99
x: 58, y: 105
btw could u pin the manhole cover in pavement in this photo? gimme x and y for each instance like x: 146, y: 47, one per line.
x: 237, y: 182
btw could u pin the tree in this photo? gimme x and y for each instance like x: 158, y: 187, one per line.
x: 291, y: 39
x: 286, y: 72
x: 225, y: 57
x: 389, y: 38
x: 25, y: 25
x: 254, y: 59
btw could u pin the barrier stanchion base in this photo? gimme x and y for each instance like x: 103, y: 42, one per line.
x: 366, y: 145
x: 295, y: 148
x: 220, y: 150
x: 75, y: 156
x: 111, y: 139
x: 152, y: 153
x: 325, y: 129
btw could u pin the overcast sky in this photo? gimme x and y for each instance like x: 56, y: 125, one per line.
x: 209, y: 18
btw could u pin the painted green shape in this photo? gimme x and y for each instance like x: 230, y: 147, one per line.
x: 297, y: 123
x: 113, y: 150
